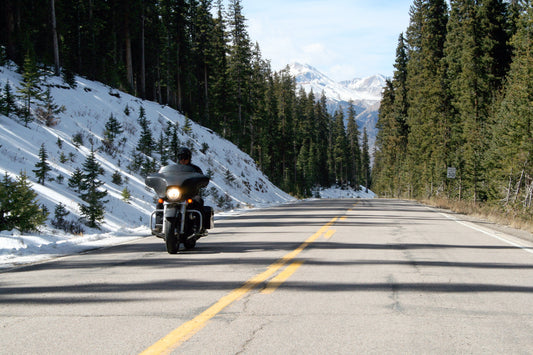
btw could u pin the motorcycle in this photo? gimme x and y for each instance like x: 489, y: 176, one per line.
x: 183, y: 219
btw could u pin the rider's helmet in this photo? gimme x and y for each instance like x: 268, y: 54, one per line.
x: 184, y: 153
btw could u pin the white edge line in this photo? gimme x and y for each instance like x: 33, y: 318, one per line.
x: 524, y: 248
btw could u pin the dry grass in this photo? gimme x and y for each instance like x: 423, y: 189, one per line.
x: 495, y: 214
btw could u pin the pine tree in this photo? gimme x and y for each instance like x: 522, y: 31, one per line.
x: 354, y: 162
x: 18, y: 207
x: 268, y: 133
x: 161, y: 147
x: 313, y: 166
x: 75, y: 180
x: 219, y: 105
x: 8, y: 101
x: 116, y: 178
x: 303, y: 179
x: 322, y: 138
x: 29, y: 90
x: 174, y: 142
x: 148, y: 166
x: 7, y: 189
x: 60, y: 212
x: 187, y: 127
x: 426, y: 97
x: 260, y: 72
x: 47, y: 111
x: 239, y: 68
x: 340, y: 149
x: 285, y: 153
x: 146, y: 142
x: 399, y: 83
x: 29, y: 214
x: 113, y: 128
x: 493, y: 17
x: 365, y: 162
x: 126, y: 195
x: 387, y: 156
x: 42, y: 166
x: 389, y: 173
x: 69, y: 78
x: 202, y: 27
x: 91, y: 192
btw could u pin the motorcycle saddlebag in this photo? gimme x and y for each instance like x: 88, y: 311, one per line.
x: 208, y: 219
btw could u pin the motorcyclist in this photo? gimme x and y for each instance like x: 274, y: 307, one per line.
x: 184, y: 158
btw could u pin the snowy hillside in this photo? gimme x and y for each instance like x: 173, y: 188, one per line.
x: 236, y: 180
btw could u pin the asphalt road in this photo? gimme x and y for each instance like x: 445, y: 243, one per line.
x: 317, y: 277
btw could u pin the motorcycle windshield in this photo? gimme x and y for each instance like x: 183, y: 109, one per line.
x: 183, y: 176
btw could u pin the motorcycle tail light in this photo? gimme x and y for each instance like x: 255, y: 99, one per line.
x: 189, y: 200
x: 173, y: 193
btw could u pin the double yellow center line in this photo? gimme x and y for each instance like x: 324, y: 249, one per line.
x: 172, y: 340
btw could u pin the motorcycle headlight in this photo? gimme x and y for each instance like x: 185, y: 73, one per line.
x: 173, y: 193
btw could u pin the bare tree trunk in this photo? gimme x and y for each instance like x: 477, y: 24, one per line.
x: 518, y: 185
x: 127, y: 38
x: 10, y: 26
x: 508, y: 196
x: 529, y: 193
x: 206, y: 93
x: 54, y: 34
x: 143, y: 61
x: 92, y: 61
x: 178, y: 78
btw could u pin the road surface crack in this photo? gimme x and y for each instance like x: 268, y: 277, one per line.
x: 251, y: 338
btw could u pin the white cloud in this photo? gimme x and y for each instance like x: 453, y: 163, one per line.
x: 338, y: 37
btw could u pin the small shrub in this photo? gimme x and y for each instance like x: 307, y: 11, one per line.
x: 116, y: 178
x: 77, y: 139
x: 126, y: 195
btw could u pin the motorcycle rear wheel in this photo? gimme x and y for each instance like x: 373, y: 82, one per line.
x: 171, y: 240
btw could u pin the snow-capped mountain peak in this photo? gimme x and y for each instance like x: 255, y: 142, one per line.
x: 365, y: 91
x: 372, y: 85
x: 308, y: 75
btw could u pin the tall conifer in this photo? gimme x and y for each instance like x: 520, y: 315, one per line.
x: 29, y: 89
x: 42, y: 167
x: 426, y: 97
x: 91, y: 192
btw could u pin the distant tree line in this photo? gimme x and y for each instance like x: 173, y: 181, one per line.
x: 461, y: 97
x: 196, y: 56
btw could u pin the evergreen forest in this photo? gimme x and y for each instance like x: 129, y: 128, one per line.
x: 455, y: 117
x: 455, y: 121
x: 197, y: 57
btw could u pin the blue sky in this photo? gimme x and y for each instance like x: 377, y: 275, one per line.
x: 344, y: 39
